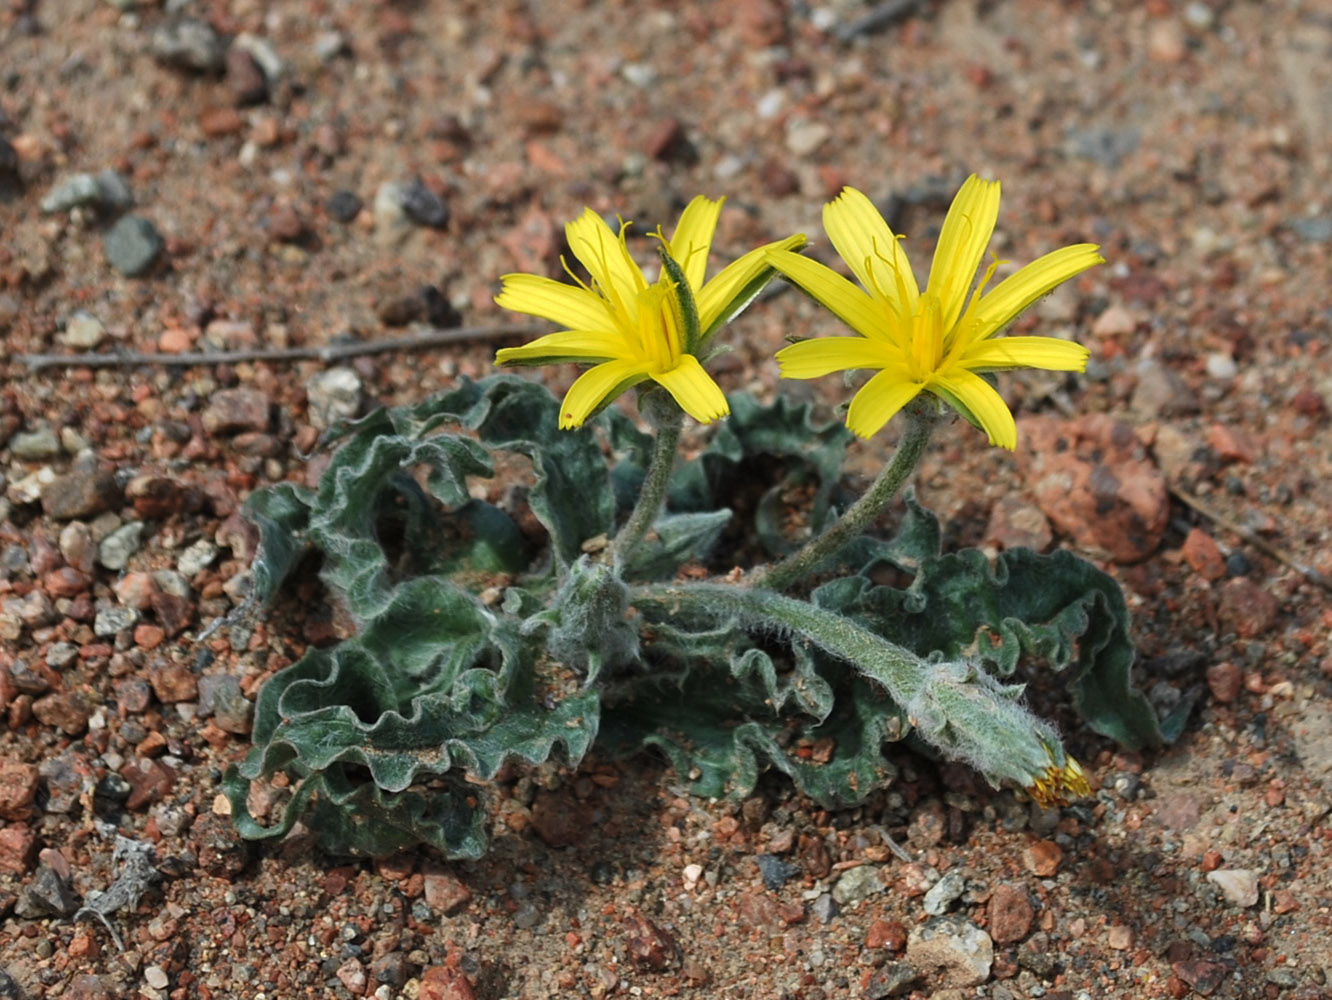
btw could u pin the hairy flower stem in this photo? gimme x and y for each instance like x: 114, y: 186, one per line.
x: 669, y: 418
x: 901, y: 672
x: 851, y: 525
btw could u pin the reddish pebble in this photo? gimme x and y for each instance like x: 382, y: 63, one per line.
x: 1246, y: 609
x: 17, y: 843
x: 648, y: 946
x: 444, y: 983
x: 1043, y: 858
x: 217, y: 122
x: 175, y: 340
x: 18, y: 788
x: 1284, y: 901
x: 148, y: 636
x: 1010, y: 913
x: 65, y: 582
x: 351, y: 974
x: 890, y: 934
x: 1203, y: 555
x: 444, y: 892
x: 1211, y: 860
x: 1225, y: 680
x: 1231, y: 444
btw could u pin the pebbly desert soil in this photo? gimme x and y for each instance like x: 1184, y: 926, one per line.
x: 238, y: 178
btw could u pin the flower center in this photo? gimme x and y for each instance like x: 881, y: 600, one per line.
x: 926, y: 351
x: 660, y: 327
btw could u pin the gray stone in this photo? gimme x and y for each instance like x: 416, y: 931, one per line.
x: 333, y: 395
x: 857, y: 884
x: 1314, y: 229
x: 1104, y: 145
x: 117, y: 547
x: 944, y: 892
x: 189, y: 43
x: 825, y: 908
x: 81, y: 492
x: 423, y: 206
x: 221, y: 697
x: 48, y: 895
x: 956, y: 949
x: 196, y: 558
x: 110, y: 621
x: 263, y: 54
x: 105, y: 189
x: 132, y: 245
x: 61, y: 655
x: 169, y: 581
x: 1161, y: 392
x: 775, y: 871
x: 894, y: 980
x: 35, y: 445
x: 232, y: 411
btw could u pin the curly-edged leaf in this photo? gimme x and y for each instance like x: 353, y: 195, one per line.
x: 1056, y: 607
x: 436, y: 687
x: 365, y: 482
x: 723, y: 710
x: 351, y: 816
x: 282, y: 515
x: 780, y: 450
x: 676, y: 540
x: 572, y: 495
x: 917, y: 540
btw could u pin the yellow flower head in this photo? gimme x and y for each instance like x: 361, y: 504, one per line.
x: 631, y: 329
x: 1060, y: 785
x: 934, y: 340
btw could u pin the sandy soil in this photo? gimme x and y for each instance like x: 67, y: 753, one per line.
x: 252, y: 144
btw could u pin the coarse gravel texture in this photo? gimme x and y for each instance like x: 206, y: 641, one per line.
x: 309, y: 173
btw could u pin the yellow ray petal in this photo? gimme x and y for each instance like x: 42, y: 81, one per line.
x: 842, y: 298
x: 567, y: 305
x: 962, y: 241
x: 870, y: 248
x: 824, y: 355
x: 692, y: 241
x: 1050, y: 353
x: 598, y: 386
x: 998, y: 307
x: 606, y: 258
x: 986, y: 405
x: 878, y: 401
x: 719, y: 295
x: 567, y: 345
x: 694, y: 390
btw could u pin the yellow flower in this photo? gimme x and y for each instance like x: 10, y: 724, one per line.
x: 1058, y: 786
x: 631, y: 329
x: 936, y: 340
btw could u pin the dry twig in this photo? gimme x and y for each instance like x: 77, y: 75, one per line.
x: 327, y: 352
x: 1252, y: 538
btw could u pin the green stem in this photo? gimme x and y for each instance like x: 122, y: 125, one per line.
x: 854, y: 523
x: 901, y: 672
x: 652, y: 494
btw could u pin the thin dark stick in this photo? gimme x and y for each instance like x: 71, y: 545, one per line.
x: 1258, y: 542
x: 327, y: 352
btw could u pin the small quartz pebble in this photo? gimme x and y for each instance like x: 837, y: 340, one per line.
x: 956, y: 951
x: 1238, y: 885
x: 857, y: 884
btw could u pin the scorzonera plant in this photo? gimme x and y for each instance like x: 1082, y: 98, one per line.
x: 625, y: 596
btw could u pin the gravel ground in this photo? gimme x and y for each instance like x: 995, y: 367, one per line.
x: 183, y: 176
